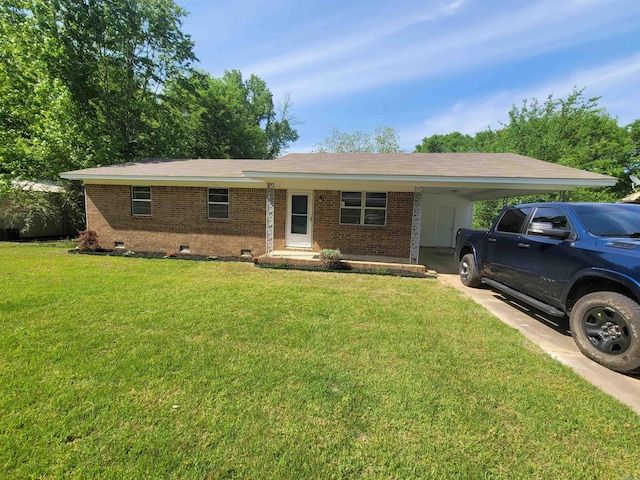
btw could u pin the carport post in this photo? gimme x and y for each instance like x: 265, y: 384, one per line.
x: 416, y: 221
x: 270, y: 215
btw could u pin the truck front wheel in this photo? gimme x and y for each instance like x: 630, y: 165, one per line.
x: 606, y: 327
x: 469, y: 275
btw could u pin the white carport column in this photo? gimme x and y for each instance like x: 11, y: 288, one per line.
x: 271, y: 196
x: 416, y: 220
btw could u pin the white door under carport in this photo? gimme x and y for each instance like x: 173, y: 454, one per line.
x: 442, y: 216
x: 445, y: 220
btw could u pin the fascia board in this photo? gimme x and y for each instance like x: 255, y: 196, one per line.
x: 423, y: 180
x: 156, y: 180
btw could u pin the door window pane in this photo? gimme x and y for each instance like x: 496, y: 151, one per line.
x: 299, y: 204
x: 299, y: 224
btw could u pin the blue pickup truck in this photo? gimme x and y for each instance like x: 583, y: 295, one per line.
x: 575, y: 259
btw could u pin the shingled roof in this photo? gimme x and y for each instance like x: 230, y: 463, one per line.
x: 495, y: 165
x: 482, y: 175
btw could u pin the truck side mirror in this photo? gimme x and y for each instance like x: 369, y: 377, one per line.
x: 546, y: 229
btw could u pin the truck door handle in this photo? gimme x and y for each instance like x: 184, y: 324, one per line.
x: 523, y: 245
x: 491, y: 240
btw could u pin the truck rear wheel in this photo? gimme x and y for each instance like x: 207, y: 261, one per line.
x: 469, y: 275
x: 606, y: 328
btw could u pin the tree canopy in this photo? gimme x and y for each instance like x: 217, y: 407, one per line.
x: 97, y: 82
x: 383, y: 139
x: 226, y: 117
x: 573, y: 131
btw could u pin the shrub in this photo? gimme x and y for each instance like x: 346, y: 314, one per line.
x: 331, y: 258
x: 88, y: 240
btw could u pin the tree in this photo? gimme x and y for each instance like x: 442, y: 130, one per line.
x: 39, y: 134
x: 226, y: 117
x: 114, y: 57
x: 574, y: 131
x: 79, y: 83
x: 451, y: 142
x: 384, y: 139
x: 97, y: 82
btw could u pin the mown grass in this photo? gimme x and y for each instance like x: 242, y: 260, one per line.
x: 135, y: 368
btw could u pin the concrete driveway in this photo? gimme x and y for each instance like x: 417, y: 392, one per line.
x: 549, y: 333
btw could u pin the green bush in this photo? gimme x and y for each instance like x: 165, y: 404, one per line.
x: 331, y: 259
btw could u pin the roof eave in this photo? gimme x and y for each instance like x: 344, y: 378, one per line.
x: 156, y: 180
x: 419, y: 180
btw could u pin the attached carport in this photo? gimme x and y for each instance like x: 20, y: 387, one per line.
x: 459, y: 180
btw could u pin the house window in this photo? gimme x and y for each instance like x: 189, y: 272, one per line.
x: 141, y: 201
x: 363, y: 208
x: 218, y: 203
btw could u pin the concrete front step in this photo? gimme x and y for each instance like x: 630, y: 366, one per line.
x: 298, y: 261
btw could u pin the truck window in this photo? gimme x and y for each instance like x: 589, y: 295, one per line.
x: 512, y: 220
x: 610, y: 220
x: 551, y: 218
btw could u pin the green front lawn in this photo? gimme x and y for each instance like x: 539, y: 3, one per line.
x: 135, y: 368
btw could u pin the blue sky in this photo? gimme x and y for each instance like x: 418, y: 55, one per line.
x: 422, y: 67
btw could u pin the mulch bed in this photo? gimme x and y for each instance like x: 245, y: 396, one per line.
x: 172, y: 256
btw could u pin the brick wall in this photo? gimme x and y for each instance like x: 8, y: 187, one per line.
x: 394, y: 239
x: 179, y: 217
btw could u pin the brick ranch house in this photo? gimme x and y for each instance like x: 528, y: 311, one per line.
x: 363, y: 204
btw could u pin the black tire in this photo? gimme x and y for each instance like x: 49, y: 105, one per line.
x: 468, y: 272
x: 606, y: 328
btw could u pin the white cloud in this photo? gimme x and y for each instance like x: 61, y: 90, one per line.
x: 616, y: 82
x: 320, y: 52
x: 366, y: 60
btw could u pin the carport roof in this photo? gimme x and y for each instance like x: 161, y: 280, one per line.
x: 480, y: 175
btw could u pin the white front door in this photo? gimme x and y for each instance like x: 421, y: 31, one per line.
x: 444, y: 226
x: 299, y: 219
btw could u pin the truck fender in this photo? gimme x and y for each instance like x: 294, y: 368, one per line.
x: 466, y: 247
x: 601, y: 273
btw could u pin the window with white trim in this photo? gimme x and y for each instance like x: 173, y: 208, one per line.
x: 363, y: 208
x: 218, y: 204
x: 141, y: 201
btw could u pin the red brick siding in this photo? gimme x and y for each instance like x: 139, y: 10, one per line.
x: 394, y: 239
x: 179, y: 217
